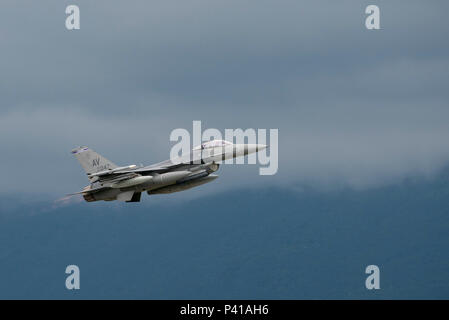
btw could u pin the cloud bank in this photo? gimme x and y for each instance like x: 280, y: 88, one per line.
x: 353, y: 107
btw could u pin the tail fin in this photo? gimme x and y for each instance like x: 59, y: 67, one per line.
x: 91, y: 161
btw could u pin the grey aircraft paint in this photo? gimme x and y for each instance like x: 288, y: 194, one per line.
x: 110, y: 182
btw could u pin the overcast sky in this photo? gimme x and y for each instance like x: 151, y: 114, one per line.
x: 354, y: 107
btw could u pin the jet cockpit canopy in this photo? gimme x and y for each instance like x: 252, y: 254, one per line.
x: 213, y: 144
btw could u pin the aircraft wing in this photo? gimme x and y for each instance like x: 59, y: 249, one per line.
x: 190, y: 160
x: 148, y: 169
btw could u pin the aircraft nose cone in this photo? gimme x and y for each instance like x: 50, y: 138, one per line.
x: 246, y: 149
x: 251, y: 148
x: 261, y: 147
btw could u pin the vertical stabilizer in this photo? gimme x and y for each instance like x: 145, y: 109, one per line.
x: 91, y: 161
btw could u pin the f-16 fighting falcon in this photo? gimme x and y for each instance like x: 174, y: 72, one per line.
x: 109, y: 182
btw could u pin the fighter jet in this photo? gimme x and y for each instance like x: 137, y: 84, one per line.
x: 110, y: 182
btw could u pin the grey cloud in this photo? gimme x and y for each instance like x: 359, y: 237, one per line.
x: 201, y: 52
x: 353, y: 107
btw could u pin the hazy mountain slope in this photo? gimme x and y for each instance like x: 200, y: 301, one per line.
x: 244, y: 244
